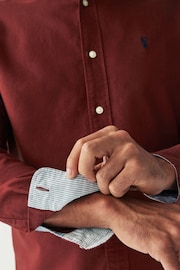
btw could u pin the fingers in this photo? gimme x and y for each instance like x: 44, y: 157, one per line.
x: 92, y: 151
x: 118, y: 174
x: 73, y: 161
x: 128, y: 164
x: 109, y: 175
x: 116, y: 148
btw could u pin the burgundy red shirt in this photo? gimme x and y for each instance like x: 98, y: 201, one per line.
x: 68, y: 68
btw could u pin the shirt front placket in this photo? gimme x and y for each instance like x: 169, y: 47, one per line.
x: 97, y: 90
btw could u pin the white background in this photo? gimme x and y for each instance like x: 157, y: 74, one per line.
x: 6, y: 248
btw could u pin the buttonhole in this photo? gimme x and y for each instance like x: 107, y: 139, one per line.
x: 144, y: 41
x: 42, y: 189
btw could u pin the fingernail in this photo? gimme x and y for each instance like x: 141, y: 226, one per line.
x: 69, y: 173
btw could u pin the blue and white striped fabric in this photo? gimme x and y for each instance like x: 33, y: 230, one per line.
x: 50, y: 189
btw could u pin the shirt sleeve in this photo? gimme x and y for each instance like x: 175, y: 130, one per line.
x: 15, y: 179
x: 167, y: 196
x: 50, y: 189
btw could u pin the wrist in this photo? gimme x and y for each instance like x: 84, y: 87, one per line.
x: 169, y: 170
x: 112, y: 209
x: 93, y: 210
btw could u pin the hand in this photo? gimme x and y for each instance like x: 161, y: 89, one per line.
x: 146, y: 226
x: 149, y: 227
x: 125, y: 164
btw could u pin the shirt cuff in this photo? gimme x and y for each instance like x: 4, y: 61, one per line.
x: 50, y: 189
x: 167, y: 196
x: 86, y: 238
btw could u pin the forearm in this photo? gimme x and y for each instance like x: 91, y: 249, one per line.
x: 90, y: 211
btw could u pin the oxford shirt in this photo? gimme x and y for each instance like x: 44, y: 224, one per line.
x: 69, y: 68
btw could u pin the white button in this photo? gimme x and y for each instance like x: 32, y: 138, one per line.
x: 99, y: 110
x: 85, y: 3
x: 92, y: 54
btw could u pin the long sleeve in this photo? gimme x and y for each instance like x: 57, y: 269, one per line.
x: 52, y: 89
x: 15, y: 177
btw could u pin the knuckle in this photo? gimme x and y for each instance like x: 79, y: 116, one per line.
x: 101, y: 176
x: 80, y: 142
x: 131, y: 149
x: 115, y: 191
x: 88, y: 147
x: 111, y: 129
x: 123, y: 134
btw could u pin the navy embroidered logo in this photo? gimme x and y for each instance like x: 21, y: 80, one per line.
x: 144, y: 41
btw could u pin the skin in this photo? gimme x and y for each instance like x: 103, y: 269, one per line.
x: 125, y: 165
